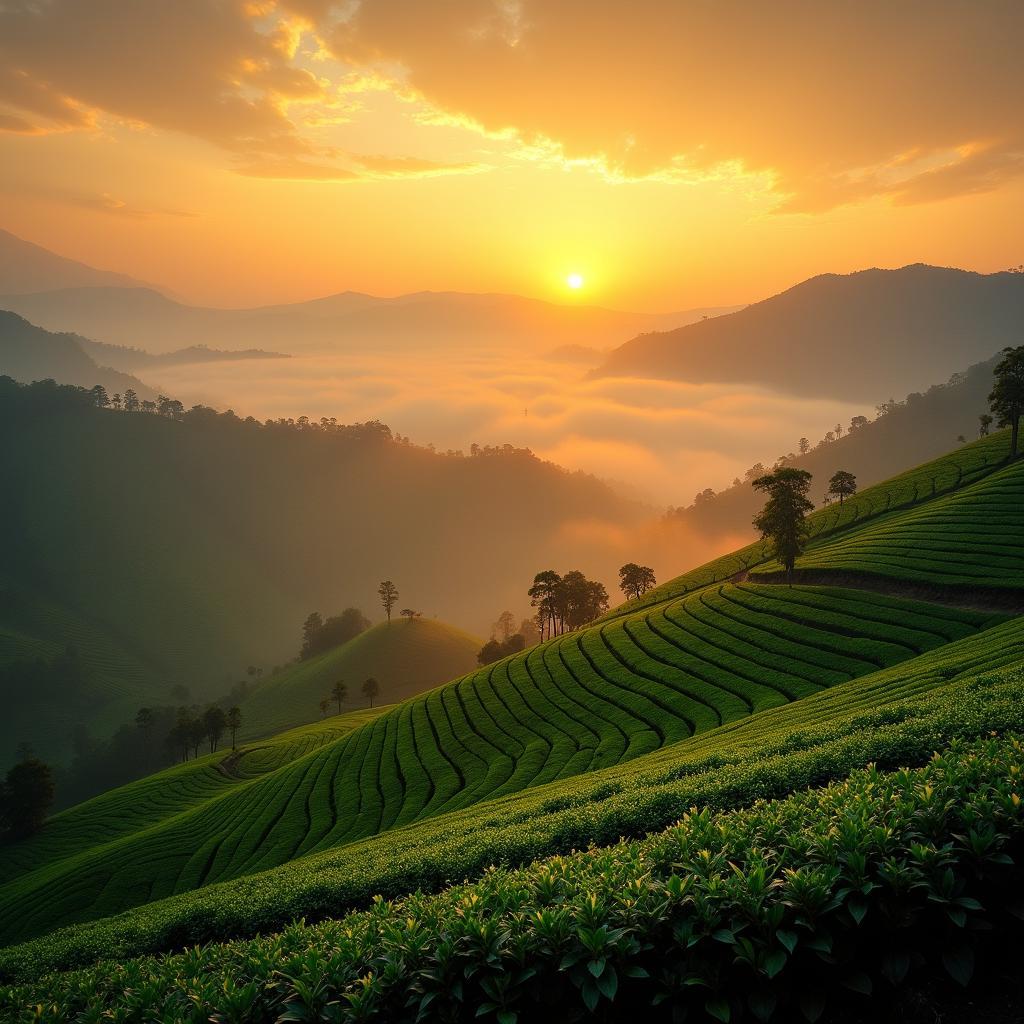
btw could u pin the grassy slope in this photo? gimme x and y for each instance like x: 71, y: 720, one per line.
x: 635, y: 683
x: 405, y: 657
x: 893, y: 717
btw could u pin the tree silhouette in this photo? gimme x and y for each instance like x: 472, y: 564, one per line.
x: 371, y: 688
x: 803, y: 446
x: 99, y: 396
x: 214, y: 724
x: 130, y: 402
x: 783, y: 520
x: 26, y: 796
x: 324, y: 706
x: 542, y: 597
x: 1007, y: 398
x: 984, y: 424
x: 234, y: 722
x: 635, y: 580
x: 339, y: 692
x: 388, y: 594
x: 410, y: 614
x: 842, y: 485
x: 505, y: 625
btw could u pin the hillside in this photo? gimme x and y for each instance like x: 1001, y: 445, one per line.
x: 197, y: 546
x: 710, y: 669
x: 909, y: 432
x: 848, y: 337
x: 406, y: 657
x: 121, y: 357
x: 28, y: 353
x: 25, y: 268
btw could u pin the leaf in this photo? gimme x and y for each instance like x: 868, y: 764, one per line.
x: 718, y: 1007
x: 608, y: 983
x: 787, y: 938
x: 590, y: 995
x: 762, y: 1004
x: 636, y: 972
x: 960, y: 964
x: 858, y: 908
x: 596, y: 967
x: 724, y: 935
x: 774, y: 962
x: 895, y: 967
x: 858, y: 981
x: 812, y: 1005
x: 507, y: 1017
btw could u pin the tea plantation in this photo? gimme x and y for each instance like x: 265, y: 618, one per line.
x: 716, y: 708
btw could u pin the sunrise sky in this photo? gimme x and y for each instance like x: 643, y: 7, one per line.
x: 672, y: 154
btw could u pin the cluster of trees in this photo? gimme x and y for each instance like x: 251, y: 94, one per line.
x: 507, y: 639
x: 339, y: 693
x: 193, y: 728
x: 319, y: 634
x: 26, y: 796
x: 566, y: 602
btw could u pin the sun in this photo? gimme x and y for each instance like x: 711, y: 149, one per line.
x: 575, y: 281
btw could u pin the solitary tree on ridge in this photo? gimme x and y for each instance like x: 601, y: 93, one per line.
x: 371, y: 688
x: 388, y: 593
x: 339, y: 692
x: 842, y: 485
x: 783, y: 520
x: 1007, y: 398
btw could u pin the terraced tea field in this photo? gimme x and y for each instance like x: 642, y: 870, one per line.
x: 970, y: 539
x: 585, y: 701
x: 715, y: 689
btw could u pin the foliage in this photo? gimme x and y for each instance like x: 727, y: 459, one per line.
x: 319, y: 635
x: 783, y: 520
x: 566, y: 602
x: 766, y: 914
x: 1007, y: 398
x: 635, y: 580
x: 494, y: 650
x: 842, y: 485
x: 388, y: 594
x: 26, y: 797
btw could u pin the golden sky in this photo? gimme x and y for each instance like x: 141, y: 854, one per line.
x: 673, y: 152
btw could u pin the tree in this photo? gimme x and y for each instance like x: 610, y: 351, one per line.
x: 985, y: 422
x: 529, y: 632
x: 324, y: 705
x: 144, y: 721
x: 505, y: 625
x: 130, y: 401
x: 542, y: 597
x: 371, y: 688
x: 320, y: 635
x: 25, y: 797
x: 842, y: 485
x: 783, y: 520
x: 495, y: 650
x: 313, y: 624
x: 635, y: 580
x: 339, y: 692
x: 1007, y: 398
x: 388, y: 594
x: 857, y: 422
x: 234, y: 722
x: 803, y: 446
x: 116, y: 402
x: 410, y: 614
x: 99, y: 396
x: 215, y: 721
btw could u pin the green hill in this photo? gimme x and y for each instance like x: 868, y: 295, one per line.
x: 710, y: 654
x: 406, y: 657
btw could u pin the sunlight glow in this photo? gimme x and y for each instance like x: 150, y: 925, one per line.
x: 574, y: 281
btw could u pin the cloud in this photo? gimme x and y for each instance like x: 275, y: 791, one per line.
x: 358, y: 168
x: 821, y: 98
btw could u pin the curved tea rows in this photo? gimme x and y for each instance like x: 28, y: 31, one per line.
x: 973, y: 538
x: 584, y: 701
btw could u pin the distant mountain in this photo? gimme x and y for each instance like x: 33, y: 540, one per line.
x: 26, y: 267
x: 121, y: 357
x: 29, y: 353
x: 849, y: 337
x: 908, y: 432
x: 146, y: 319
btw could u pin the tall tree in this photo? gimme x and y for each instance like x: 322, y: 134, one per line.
x: 215, y: 721
x: 842, y: 485
x: 635, y: 580
x: 99, y: 396
x: 234, y: 722
x: 310, y: 628
x: 388, y: 594
x: 1007, y: 398
x: 26, y: 797
x: 783, y: 520
x: 339, y: 692
x: 371, y: 688
x: 542, y: 597
x: 985, y: 422
x: 131, y: 400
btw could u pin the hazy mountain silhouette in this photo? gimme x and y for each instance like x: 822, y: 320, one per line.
x: 29, y: 353
x: 26, y: 267
x: 122, y: 357
x: 348, y: 322
x: 849, y: 336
